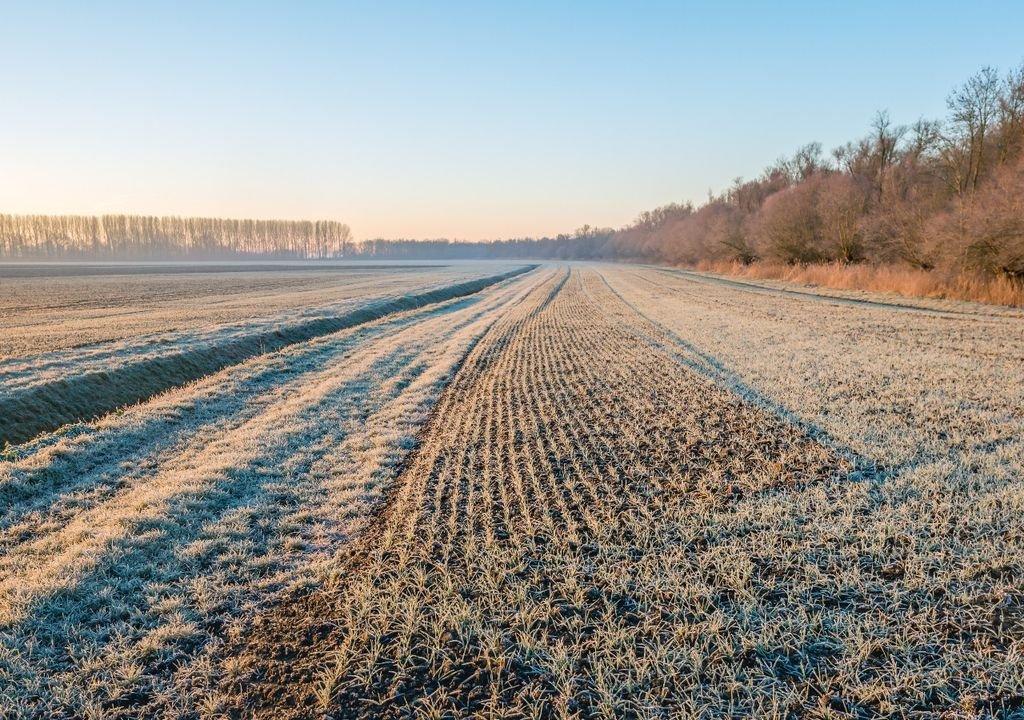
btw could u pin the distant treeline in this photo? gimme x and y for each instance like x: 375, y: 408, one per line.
x: 945, y: 194
x: 584, y: 244
x: 135, y: 237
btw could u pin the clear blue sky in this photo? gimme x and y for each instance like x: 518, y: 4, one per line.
x: 464, y: 120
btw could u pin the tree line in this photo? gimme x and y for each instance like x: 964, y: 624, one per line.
x: 581, y: 245
x: 945, y: 194
x: 936, y: 194
x: 137, y: 237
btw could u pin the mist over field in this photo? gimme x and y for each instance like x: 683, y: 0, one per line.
x: 567, y: 361
x: 934, y: 208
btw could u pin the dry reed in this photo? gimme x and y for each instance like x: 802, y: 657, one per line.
x: 898, y: 280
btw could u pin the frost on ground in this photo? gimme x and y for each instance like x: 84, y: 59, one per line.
x: 41, y: 392
x: 52, y: 309
x: 615, y: 524
x: 127, y: 545
x: 588, y: 491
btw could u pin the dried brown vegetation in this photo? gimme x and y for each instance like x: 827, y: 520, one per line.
x: 895, y: 279
x: 931, y: 209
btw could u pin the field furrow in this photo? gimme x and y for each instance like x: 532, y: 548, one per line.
x: 501, y: 575
x: 586, y: 491
x: 129, y: 546
x: 41, y: 393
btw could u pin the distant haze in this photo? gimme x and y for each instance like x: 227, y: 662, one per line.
x: 468, y: 121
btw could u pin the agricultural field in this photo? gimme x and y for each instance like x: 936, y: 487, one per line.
x: 562, y: 490
x: 82, y: 340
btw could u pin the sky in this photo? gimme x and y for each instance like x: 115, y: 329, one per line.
x: 474, y: 120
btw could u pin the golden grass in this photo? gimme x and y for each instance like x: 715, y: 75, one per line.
x: 899, y: 280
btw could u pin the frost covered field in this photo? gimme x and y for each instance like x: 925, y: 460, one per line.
x: 83, y: 340
x: 570, y: 490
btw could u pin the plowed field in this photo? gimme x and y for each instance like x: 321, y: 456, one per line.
x: 576, y: 491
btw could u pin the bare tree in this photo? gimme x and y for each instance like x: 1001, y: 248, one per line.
x: 126, y: 237
x: 807, y: 161
x: 789, y: 226
x: 973, y: 108
x: 842, y: 201
x: 1011, y: 115
x: 885, y: 141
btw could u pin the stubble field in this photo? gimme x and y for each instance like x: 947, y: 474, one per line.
x: 512, y: 491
